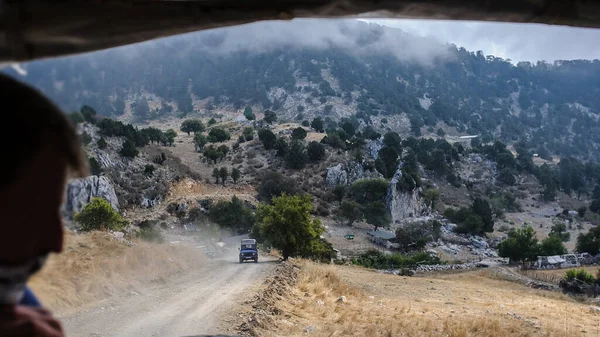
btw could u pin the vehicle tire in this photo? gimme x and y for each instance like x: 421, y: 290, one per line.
x: 256, y: 260
x: 241, y: 260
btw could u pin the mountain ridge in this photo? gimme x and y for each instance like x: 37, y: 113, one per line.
x: 349, y: 68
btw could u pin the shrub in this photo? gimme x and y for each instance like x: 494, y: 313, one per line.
x: 95, y: 168
x: 296, y: 156
x: 99, y: 215
x: 274, y: 184
x: 298, y: 133
x: 377, y: 260
x: 232, y: 214
x: 216, y: 135
x: 267, y: 138
x: 102, y: 143
x: 159, y: 158
x: 581, y: 275
x: 128, y: 150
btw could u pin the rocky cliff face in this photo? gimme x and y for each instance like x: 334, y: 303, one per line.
x: 403, y: 204
x: 346, y: 174
x: 81, y: 191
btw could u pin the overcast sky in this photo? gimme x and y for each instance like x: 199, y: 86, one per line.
x: 518, y: 42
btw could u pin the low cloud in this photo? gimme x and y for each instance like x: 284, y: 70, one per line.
x: 352, y: 35
x: 516, y: 41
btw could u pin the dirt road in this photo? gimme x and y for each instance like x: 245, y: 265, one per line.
x: 203, y: 302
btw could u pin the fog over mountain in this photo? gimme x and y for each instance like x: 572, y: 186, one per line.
x: 338, y: 69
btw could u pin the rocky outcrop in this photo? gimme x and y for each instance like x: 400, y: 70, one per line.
x: 81, y: 191
x: 404, y: 204
x: 336, y: 175
x: 373, y: 147
x: 346, y: 174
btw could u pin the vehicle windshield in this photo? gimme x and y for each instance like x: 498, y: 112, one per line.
x: 399, y: 177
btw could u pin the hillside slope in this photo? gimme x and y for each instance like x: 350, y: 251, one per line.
x: 337, y: 69
x: 309, y: 301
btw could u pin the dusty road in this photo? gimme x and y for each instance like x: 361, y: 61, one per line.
x: 203, y: 302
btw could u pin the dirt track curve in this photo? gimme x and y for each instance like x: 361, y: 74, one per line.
x: 202, y: 302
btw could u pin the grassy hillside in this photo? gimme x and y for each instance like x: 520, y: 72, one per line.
x: 466, y: 304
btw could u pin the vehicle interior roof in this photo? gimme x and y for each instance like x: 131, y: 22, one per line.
x: 36, y: 29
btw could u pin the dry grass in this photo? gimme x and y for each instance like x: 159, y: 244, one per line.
x: 95, y: 266
x: 466, y: 304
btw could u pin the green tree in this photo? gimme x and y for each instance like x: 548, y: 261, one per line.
x: 216, y: 135
x: 473, y: 224
x: 589, y: 242
x: 369, y: 190
x: 192, y: 125
x: 267, y: 138
x: 98, y: 214
x: 224, y: 150
x: 128, y: 150
x: 581, y: 211
x: 288, y: 225
x: 248, y: 133
x: 270, y: 117
x: 76, y: 117
x: 95, y: 168
x: 415, y: 235
x: 89, y: 114
x: 212, y: 154
x: 315, y: 151
x: 348, y: 128
x: 86, y: 138
x: 274, y: 184
x: 440, y: 132
x: 170, y: 137
x: 216, y: 174
x: 339, y: 192
x: 212, y: 122
x: 482, y: 208
x: 387, y: 161
x: 392, y: 139
x: 249, y: 114
x: 223, y: 174
x: 431, y: 196
x: 102, y: 143
x: 235, y: 175
x: 199, y: 141
x: 552, y: 245
x: 350, y: 211
x: 318, y: 124
x: 520, y: 246
x: 298, y: 133
x: 296, y: 157
x: 506, y: 177
x: 376, y: 214
x: 559, y: 230
x: 232, y: 214
x: 282, y: 147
